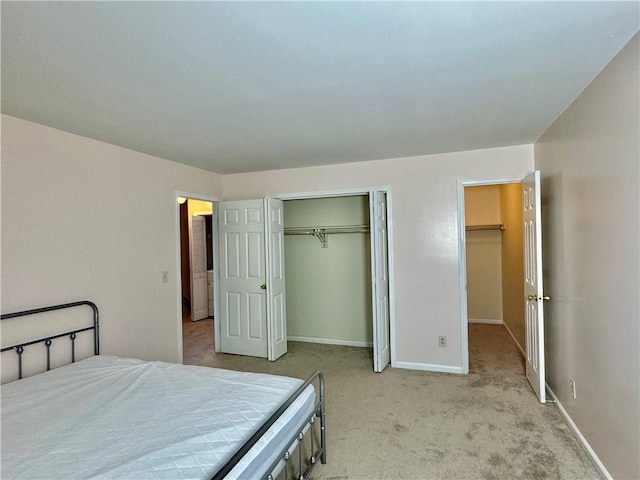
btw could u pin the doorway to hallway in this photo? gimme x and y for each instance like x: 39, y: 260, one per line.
x: 197, y: 261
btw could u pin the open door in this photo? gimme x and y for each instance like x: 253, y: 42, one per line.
x: 380, y: 280
x: 253, y: 318
x: 198, y: 260
x: 243, y: 298
x: 276, y: 303
x: 533, y: 291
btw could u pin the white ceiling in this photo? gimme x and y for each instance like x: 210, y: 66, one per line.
x: 249, y: 86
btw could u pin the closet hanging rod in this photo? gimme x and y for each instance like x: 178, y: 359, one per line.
x: 326, y: 230
x: 495, y: 226
x: 321, y: 232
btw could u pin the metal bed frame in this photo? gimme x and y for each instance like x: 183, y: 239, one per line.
x: 304, y: 469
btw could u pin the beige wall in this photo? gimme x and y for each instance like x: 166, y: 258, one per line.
x: 82, y: 219
x: 484, y: 272
x: 328, y: 289
x: 589, y: 159
x: 512, y: 261
x: 425, y: 233
x: 101, y: 223
x: 482, y: 205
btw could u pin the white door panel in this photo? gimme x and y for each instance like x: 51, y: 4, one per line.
x: 380, y: 281
x: 242, y: 274
x: 255, y: 307
x: 533, y: 288
x: 255, y: 262
x: 276, y: 304
x: 231, y: 254
x: 233, y: 314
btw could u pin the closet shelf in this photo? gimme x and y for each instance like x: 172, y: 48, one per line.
x: 495, y: 226
x: 321, y: 232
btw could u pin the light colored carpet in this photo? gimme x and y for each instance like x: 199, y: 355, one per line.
x: 420, y: 425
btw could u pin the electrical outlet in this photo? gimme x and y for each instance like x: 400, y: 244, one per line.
x: 572, y: 385
x: 442, y: 341
x: 165, y: 276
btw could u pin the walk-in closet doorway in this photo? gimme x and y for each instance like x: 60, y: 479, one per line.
x: 495, y: 272
x: 527, y: 330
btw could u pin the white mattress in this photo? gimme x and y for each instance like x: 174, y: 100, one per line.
x: 111, y: 417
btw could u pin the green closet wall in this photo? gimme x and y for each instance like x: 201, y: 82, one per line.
x: 328, y: 289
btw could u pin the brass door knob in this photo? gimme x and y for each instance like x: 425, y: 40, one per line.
x: 263, y: 286
x: 533, y: 298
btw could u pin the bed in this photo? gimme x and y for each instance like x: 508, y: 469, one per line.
x: 112, y: 417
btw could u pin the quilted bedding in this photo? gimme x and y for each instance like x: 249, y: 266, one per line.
x: 111, y: 417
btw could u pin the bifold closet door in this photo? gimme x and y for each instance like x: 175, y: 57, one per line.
x: 243, y: 299
x: 380, y: 281
x: 276, y: 299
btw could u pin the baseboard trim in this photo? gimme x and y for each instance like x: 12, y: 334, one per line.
x: 428, y: 367
x: 493, y: 321
x: 576, y: 431
x: 330, y: 341
x: 524, y: 355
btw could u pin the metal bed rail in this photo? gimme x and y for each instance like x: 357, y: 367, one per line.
x: 19, y: 347
x: 284, y: 455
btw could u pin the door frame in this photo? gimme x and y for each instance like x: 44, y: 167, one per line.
x: 462, y: 260
x: 178, y: 285
x: 368, y: 191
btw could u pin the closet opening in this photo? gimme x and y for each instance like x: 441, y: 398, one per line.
x: 337, y: 250
x: 328, y: 270
x: 305, y: 267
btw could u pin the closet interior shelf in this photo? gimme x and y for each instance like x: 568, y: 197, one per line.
x: 322, y: 232
x: 495, y: 226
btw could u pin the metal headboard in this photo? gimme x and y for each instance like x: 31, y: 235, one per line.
x: 19, y: 348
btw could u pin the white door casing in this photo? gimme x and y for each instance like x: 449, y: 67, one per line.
x: 380, y: 280
x: 198, y: 261
x: 243, y: 305
x: 533, y: 288
x: 276, y: 298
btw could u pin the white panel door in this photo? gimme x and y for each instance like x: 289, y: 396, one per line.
x: 276, y: 303
x: 533, y: 292
x: 243, y: 309
x: 198, y: 260
x: 380, y: 281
